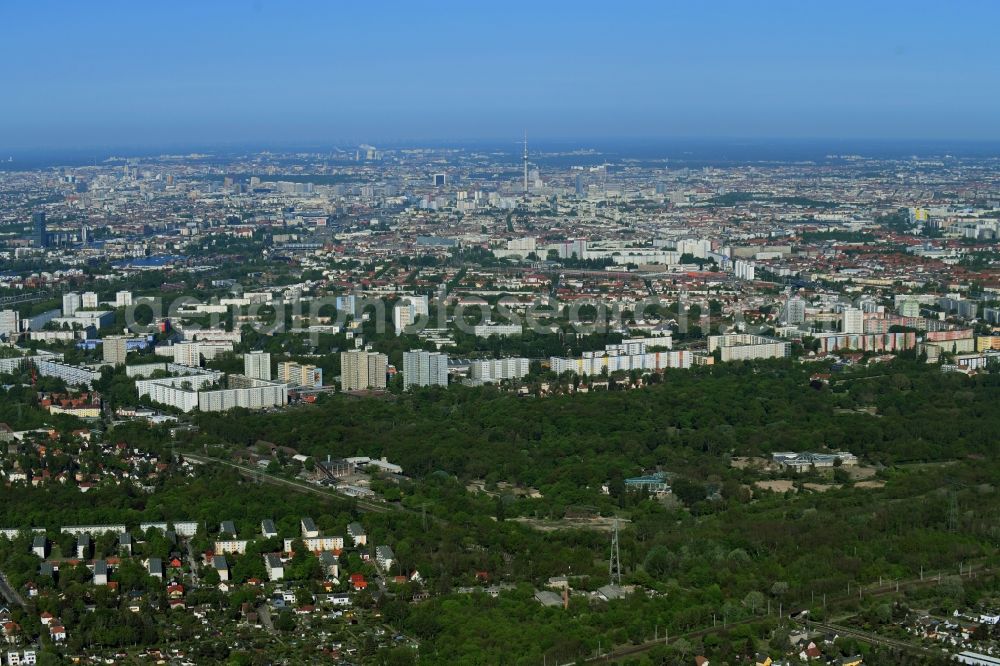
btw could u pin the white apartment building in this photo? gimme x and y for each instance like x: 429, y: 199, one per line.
x: 179, y: 392
x: 909, y: 308
x: 317, y: 543
x: 114, y: 349
x: 361, y: 370
x: 187, y: 353
x: 191, y: 353
x: 71, y: 302
x: 249, y: 393
x: 384, y: 557
x: 854, y: 321
x: 407, y: 310
x: 632, y: 354
x: 491, y: 370
x: 423, y: 368
x: 213, y: 335
x: 10, y: 322
x: 14, y: 363
x: 57, y: 336
x: 245, y: 392
x: 231, y: 547
x: 257, y: 364
x: 499, y: 330
x: 71, y: 374
x: 744, y: 270
x: 295, y: 374
x: 275, y: 569
x: 744, y: 347
x: 595, y: 363
x: 795, y: 310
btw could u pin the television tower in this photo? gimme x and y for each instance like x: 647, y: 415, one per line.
x: 525, y: 160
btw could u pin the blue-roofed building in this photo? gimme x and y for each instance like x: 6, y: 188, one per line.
x: 655, y: 483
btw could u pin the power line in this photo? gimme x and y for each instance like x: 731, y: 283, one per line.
x: 615, y: 566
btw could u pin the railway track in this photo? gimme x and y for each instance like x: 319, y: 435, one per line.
x: 363, y: 505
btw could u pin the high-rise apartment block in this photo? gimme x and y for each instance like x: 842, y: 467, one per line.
x: 257, y: 364
x: 494, y: 369
x: 114, y: 349
x: 10, y: 323
x: 297, y: 374
x: 71, y: 303
x: 361, y: 370
x: 854, y: 321
x: 407, y: 310
x: 795, y: 310
x: 423, y: 368
x: 39, y: 235
x: 909, y: 308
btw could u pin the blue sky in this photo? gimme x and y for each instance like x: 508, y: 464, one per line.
x: 82, y: 74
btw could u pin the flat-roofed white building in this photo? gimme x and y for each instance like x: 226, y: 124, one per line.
x: 744, y: 346
x: 257, y: 364
x: 93, y: 530
x: 423, y: 368
x: 317, y: 543
x: 491, y: 370
x: 194, y: 390
x: 71, y: 374
x: 499, y: 330
x: 238, y: 546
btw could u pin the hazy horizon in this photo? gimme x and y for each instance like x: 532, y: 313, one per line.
x: 120, y: 74
x: 546, y: 152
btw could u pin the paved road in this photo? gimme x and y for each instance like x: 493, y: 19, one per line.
x: 9, y: 593
x: 265, y: 617
x: 194, y: 562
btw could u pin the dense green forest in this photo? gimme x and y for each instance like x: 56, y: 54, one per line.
x: 690, y: 422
